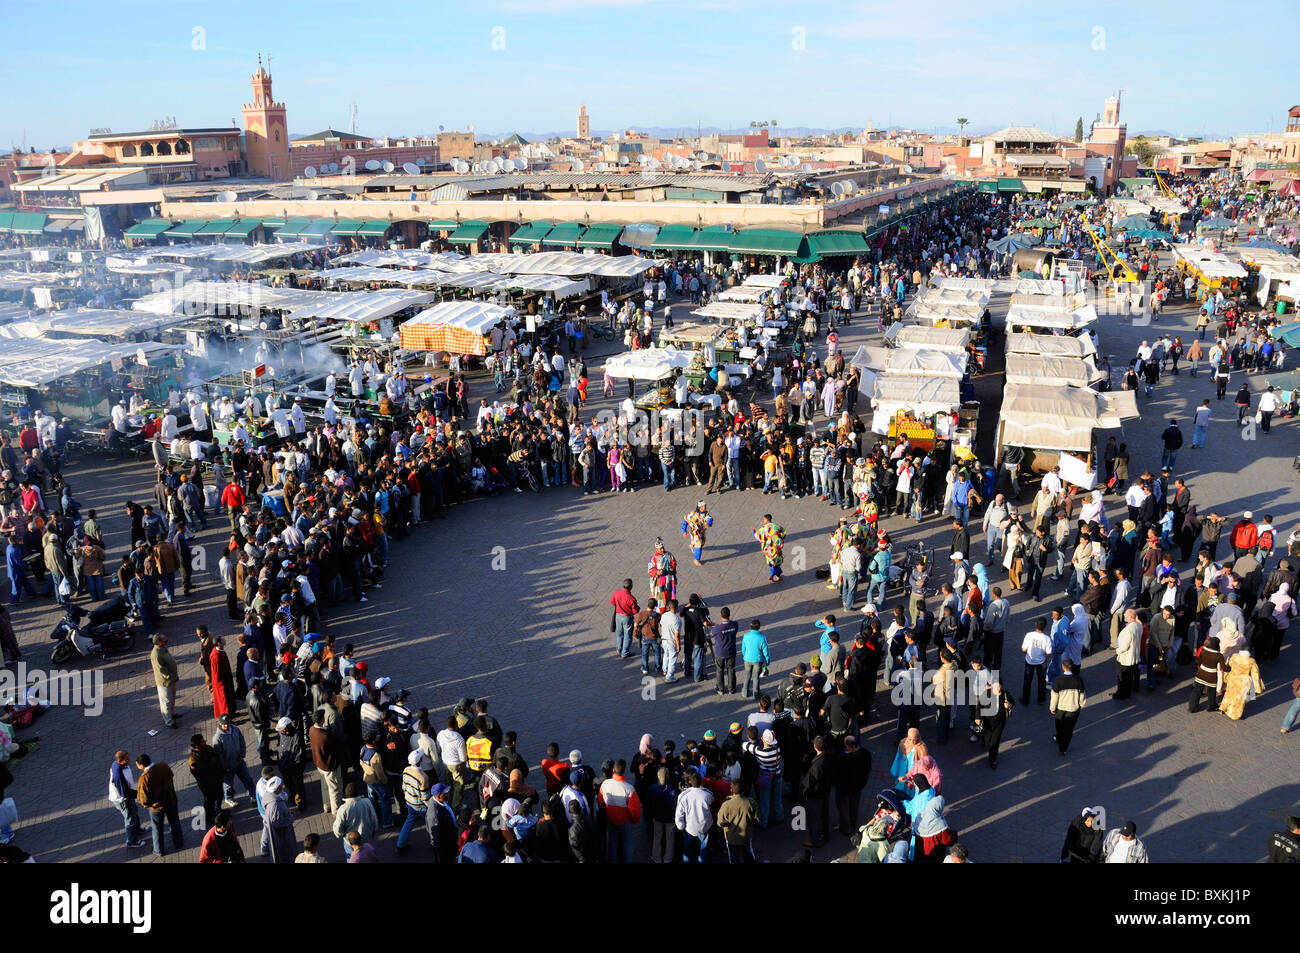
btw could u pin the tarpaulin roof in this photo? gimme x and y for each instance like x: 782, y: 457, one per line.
x: 730, y: 311
x: 1050, y: 345
x: 647, y: 364
x: 915, y: 362
x: 1050, y: 371
x: 919, y: 336
x: 36, y: 363
x: 1060, y: 418
x: 920, y: 395
x: 362, y: 305
x: 454, y: 326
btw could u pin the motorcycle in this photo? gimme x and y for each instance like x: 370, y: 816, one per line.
x: 108, y: 629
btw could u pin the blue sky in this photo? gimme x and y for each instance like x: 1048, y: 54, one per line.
x: 526, y: 65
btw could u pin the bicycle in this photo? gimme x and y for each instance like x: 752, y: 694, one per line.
x: 600, y: 332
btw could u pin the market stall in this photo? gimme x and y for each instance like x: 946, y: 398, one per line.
x: 1051, y: 371
x: 916, y: 336
x: 1055, y: 422
x: 922, y: 408
x: 454, y: 328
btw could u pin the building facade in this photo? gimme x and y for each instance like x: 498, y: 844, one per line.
x: 266, y: 131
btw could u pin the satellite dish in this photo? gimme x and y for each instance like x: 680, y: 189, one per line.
x: 420, y: 161
x: 460, y: 167
x: 907, y: 169
x: 521, y: 163
x: 494, y: 166
x: 388, y: 166
x: 760, y: 165
x: 228, y: 196
x: 372, y: 165
x: 850, y: 187
x: 440, y: 128
x: 334, y: 166
x: 837, y: 188
x: 476, y: 167
x: 669, y: 157
x: 579, y: 165
x: 507, y: 165
x: 312, y: 195
x: 309, y: 172
x: 622, y: 160
x: 702, y: 155
x: 789, y: 161
x: 697, y: 165
x: 410, y: 168
x: 602, y: 166
x: 806, y: 167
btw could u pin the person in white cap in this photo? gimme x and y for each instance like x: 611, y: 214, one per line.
x: 298, y: 418
x: 960, y: 570
x: 277, y: 825
x: 415, y: 791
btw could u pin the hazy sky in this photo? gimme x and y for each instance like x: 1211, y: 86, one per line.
x: 526, y: 65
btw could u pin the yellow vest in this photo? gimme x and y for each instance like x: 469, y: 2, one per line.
x: 478, y: 753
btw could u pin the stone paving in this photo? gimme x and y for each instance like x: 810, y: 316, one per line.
x: 533, y: 637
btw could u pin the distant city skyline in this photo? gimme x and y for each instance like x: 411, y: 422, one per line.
x: 511, y: 65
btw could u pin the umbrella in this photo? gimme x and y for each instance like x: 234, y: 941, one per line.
x: 1284, y: 331
x: 1216, y: 221
x: 1256, y: 242
x: 1012, y: 243
x: 1289, y: 187
x: 1148, y: 234
x: 1134, y: 221
x: 1288, y: 381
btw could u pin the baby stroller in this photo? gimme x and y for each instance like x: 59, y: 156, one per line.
x: 888, y: 827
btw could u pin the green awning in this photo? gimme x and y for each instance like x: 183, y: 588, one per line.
x: 292, y: 228
x: 444, y: 225
x: 601, y: 235
x: 217, y: 226
x: 7, y: 218
x: 674, y: 238
x: 347, y: 227
x: 374, y: 228
x: 564, y: 235
x: 28, y: 223
x: 470, y: 231
x: 149, y: 228
x: 531, y: 233
x: 1133, y: 183
x: 989, y: 186
x: 243, y: 228
x: 186, y: 229
x: 318, y: 229
x: 712, y: 238
x: 769, y: 241
x: 831, y: 243
x: 1010, y: 185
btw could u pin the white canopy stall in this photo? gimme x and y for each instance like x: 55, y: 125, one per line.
x: 1051, y: 371
x: 911, y: 362
x: 917, y: 336
x: 647, y: 364
x: 1059, y: 419
x: 1050, y: 345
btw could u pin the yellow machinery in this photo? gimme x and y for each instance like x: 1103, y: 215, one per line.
x: 1116, y: 267
x: 1164, y: 188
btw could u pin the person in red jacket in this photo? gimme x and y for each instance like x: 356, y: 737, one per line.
x: 221, y: 844
x: 233, y: 499
x: 1243, y: 535
x: 622, y: 814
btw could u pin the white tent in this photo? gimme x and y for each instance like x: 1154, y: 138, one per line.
x: 767, y: 282
x: 547, y: 284
x: 363, y: 273
x: 923, y: 396
x: 1050, y: 345
x: 478, y: 317
x: 1059, y: 418
x: 918, y: 336
x: 909, y: 361
x: 730, y: 311
x: 36, y: 363
x: 963, y: 284
x: 361, y: 305
x: 1051, y: 371
x: 647, y: 364
x: 740, y: 294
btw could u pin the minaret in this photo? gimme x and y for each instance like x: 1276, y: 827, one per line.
x: 584, y: 123
x: 266, y: 131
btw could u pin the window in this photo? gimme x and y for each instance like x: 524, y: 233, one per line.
x: 164, y: 149
x: 182, y: 147
x: 128, y: 151
x: 277, y: 135
x: 146, y: 149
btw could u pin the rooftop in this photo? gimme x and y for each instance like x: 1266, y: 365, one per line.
x: 331, y: 134
x: 1022, y: 134
x: 166, y: 133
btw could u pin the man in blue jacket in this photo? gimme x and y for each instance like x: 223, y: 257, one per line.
x: 755, y: 654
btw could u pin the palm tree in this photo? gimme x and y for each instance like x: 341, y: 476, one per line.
x: 961, y: 125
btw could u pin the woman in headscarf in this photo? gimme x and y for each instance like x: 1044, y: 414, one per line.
x: 1084, y: 838
x: 1242, y: 684
x: 905, y: 757
x: 1013, y: 555
x: 1078, y: 635
x: 926, y: 765
x: 922, y: 795
x: 981, y: 575
x: 933, y: 835
x: 277, y: 824
x: 1209, y: 676
x: 1060, y: 637
x: 1126, y: 548
x: 1284, y: 607
x: 1231, y: 639
x: 644, y: 765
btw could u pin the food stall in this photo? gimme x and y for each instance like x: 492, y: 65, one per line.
x: 453, y: 328
x: 1061, y: 313
x: 1058, y: 425
x: 656, y: 365
x: 922, y: 408
x: 915, y: 336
